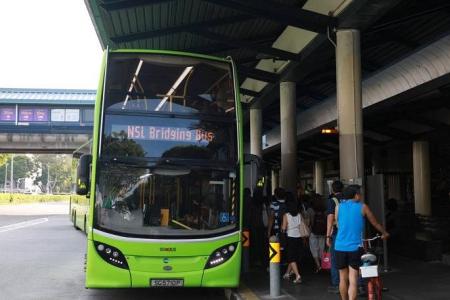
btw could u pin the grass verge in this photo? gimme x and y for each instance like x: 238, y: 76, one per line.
x: 7, y: 198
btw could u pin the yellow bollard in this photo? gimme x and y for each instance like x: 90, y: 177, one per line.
x: 245, y: 250
x: 274, y: 266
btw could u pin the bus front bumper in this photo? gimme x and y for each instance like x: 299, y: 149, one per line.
x: 142, y: 270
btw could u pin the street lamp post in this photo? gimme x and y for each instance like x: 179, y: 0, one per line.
x: 6, y: 175
x: 11, y: 181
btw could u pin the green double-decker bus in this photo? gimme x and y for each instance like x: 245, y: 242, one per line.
x: 163, y: 181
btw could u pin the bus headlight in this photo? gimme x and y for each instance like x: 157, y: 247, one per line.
x: 221, y: 255
x: 111, y: 255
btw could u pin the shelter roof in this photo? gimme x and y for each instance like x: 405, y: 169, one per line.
x: 278, y: 40
x: 47, y: 96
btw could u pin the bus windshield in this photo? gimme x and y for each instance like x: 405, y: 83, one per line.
x: 168, y: 153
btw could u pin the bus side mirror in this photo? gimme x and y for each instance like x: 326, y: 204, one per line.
x: 256, y: 171
x: 83, y: 174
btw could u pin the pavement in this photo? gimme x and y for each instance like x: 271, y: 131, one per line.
x: 407, y: 280
x: 42, y: 258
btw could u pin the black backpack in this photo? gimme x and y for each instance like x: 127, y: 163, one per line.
x: 319, y: 226
x: 281, y: 211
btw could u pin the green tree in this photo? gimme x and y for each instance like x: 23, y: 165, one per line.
x: 24, y: 167
x: 3, y: 159
x: 59, y: 168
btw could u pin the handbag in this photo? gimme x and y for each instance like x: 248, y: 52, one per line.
x: 326, y: 260
x: 304, y: 228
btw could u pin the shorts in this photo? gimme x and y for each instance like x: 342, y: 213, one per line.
x: 345, y: 259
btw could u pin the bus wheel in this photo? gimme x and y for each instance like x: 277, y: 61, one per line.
x: 75, y: 221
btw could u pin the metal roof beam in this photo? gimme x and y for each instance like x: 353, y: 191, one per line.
x: 280, y: 13
x: 247, y: 60
x: 308, y: 153
x: 276, y: 53
x: 391, y: 132
x: 181, y: 28
x: 388, y: 37
x: 123, y: 4
x: 407, y: 19
x: 420, y: 119
x: 222, y: 47
x: 307, y: 91
x: 258, y: 74
x: 375, y: 142
x: 250, y: 92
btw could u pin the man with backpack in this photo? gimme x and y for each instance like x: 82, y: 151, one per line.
x: 277, y: 211
x: 333, y: 202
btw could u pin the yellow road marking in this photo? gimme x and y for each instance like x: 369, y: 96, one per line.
x: 246, y: 293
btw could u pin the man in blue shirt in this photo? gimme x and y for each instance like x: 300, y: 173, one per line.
x: 350, y: 215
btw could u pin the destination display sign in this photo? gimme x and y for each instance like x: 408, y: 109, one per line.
x: 163, y: 133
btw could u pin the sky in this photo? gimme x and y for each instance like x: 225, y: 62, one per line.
x: 48, y: 44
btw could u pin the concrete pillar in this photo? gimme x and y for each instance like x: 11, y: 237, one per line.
x: 421, y: 168
x: 349, y: 105
x: 256, y: 131
x: 376, y: 161
x: 288, y: 179
x: 275, y: 180
x: 319, y: 172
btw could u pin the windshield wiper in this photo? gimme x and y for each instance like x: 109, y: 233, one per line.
x: 128, y: 161
x: 181, y: 224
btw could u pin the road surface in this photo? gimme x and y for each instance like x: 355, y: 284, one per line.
x: 42, y: 255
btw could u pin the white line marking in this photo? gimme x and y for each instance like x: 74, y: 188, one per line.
x: 22, y: 224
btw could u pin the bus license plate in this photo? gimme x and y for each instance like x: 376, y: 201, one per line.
x: 166, y: 282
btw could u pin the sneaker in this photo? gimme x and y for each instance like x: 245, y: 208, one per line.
x: 298, y: 280
x: 333, y: 289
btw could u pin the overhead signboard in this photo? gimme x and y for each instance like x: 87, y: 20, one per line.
x: 72, y: 115
x: 26, y: 115
x: 7, y: 114
x: 58, y: 115
x: 33, y: 115
x: 40, y: 115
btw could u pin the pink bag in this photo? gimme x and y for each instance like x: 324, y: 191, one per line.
x: 326, y: 260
